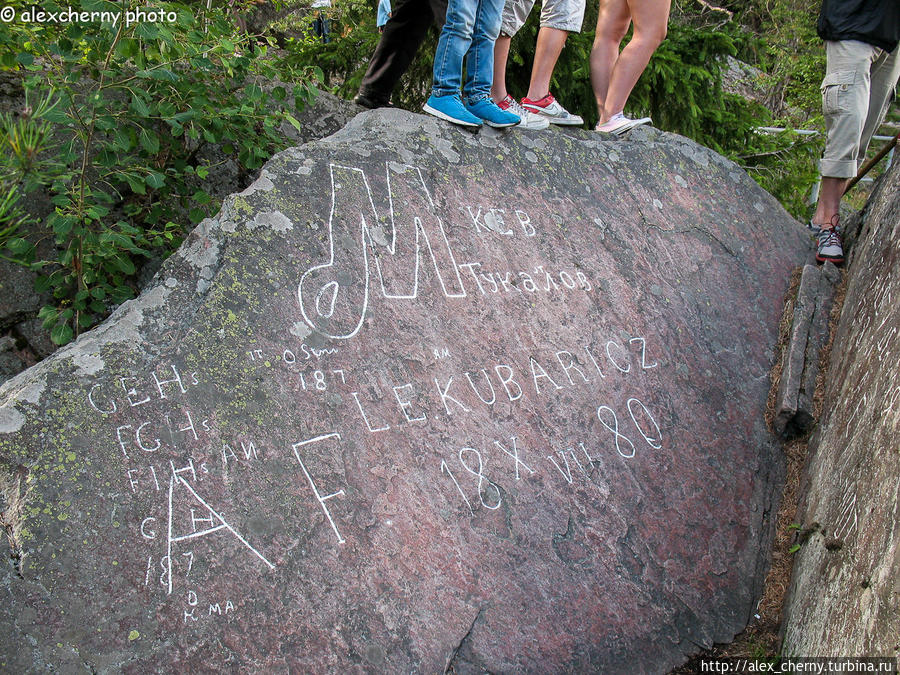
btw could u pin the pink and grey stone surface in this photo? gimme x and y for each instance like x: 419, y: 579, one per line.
x: 417, y: 399
x: 845, y: 583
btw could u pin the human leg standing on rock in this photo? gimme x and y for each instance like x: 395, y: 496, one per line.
x: 468, y: 38
x: 861, y: 73
x: 400, y: 39
x: 538, y: 108
x: 614, y: 74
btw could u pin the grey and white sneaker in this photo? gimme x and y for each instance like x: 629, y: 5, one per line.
x: 829, y: 246
x: 529, y: 119
x: 550, y: 108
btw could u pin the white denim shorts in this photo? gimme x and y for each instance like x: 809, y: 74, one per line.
x: 565, y: 15
x: 859, y: 86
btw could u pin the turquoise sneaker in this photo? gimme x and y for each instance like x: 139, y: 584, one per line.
x: 492, y: 114
x: 451, y: 108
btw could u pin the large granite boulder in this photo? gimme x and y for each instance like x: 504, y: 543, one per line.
x: 416, y: 400
x: 845, y: 590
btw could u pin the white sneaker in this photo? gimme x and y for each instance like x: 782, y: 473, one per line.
x: 550, y: 108
x: 618, y: 124
x: 529, y: 119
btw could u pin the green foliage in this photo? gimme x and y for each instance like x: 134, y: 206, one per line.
x: 786, y: 165
x: 129, y: 108
x: 23, y: 144
x: 681, y: 90
x: 790, y: 53
x: 24, y: 140
x: 11, y: 218
x: 344, y: 58
x: 793, y: 58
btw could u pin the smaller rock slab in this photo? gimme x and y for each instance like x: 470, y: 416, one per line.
x: 809, y: 335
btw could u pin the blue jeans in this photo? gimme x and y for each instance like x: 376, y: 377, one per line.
x: 469, y: 33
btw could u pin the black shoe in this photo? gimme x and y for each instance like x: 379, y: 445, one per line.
x: 371, y: 102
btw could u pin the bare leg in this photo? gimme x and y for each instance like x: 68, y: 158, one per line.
x: 550, y: 42
x: 650, y: 18
x: 501, y: 56
x: 613, y: 20
x: 829, y: 204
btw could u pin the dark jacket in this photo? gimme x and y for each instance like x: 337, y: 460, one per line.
x: 876, y: 22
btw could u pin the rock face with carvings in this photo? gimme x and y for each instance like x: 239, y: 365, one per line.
x: 397, y: 409
x: 845, y: 590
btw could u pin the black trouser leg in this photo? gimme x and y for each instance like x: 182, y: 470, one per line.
x: 403, y: 35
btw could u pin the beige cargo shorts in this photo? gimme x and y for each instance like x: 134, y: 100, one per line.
x: 565, y: 15
x: 859, y: 86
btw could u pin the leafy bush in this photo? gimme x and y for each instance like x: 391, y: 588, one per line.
x: 11, y: 218
x: 790, y: 52
x: 127, y: 109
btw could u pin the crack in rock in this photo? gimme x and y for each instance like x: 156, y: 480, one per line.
x: 13, y: 490
x: 451, y: 659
